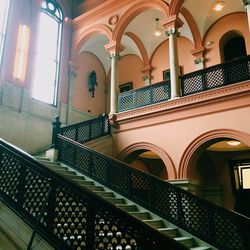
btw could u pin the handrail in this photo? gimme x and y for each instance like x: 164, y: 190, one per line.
x: 87, y: 130
x: 73, y: 217
x: 221, y: 228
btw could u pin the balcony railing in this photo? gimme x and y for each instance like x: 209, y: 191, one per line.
x: 216, y: 76
x: 144, y: 96
x: 213, y: 77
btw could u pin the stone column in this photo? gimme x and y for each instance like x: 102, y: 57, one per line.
x: 247, y: 5
x: 114, y: 50
x: 113, y: 82
x: 172, y: 25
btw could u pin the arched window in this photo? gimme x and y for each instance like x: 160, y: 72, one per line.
x: 45, y: 82
x: 4, y: 9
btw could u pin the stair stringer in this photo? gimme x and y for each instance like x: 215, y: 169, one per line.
x: 167, y: 228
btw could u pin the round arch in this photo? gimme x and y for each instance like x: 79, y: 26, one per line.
x: 171, y: 171
x: 87, y: 34
x: 189, y: 156
x: 135, y: 10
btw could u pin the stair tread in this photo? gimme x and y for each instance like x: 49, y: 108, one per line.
x: 183, y: 238
x: 200, y: 248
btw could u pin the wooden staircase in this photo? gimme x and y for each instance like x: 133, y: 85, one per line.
x: 133, y: 209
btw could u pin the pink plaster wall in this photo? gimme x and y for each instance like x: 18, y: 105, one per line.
x: 235, y: 21
x: 129, y: 68
x: 174, y: 131
x: 160, y: 58
x: 82, y: 98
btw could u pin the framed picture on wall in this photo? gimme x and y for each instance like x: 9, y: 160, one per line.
x: 126, y: 87
x: 166, y: 75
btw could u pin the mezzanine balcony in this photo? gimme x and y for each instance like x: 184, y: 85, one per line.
x: 217, y: 76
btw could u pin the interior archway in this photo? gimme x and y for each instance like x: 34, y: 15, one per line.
x: 213, y: 169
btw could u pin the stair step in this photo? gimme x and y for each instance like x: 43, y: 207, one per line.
x: 154, y: 223
x: 200, y: 248
x: 93, y: 187
x: 169, y: 231
x: 116, y: 201
x: 141, y: 215
x: 83, y: 182
x: 104, y: 194
x: 128, y: 208
x: 186, y: 241
x: 50, y: 163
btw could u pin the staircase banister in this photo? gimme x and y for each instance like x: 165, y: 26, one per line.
x: 156, y: 179
x: 83, y: 122
x: 147, y: 231
x: 188, y: 203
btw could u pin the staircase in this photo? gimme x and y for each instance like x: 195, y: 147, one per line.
x: 130, y: 207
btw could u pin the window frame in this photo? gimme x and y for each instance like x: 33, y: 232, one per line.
x: 57, y: 15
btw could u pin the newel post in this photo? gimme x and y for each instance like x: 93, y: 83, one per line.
x: 56, y: 125
x: 52, y: 153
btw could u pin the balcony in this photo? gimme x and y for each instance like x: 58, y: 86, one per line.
x: 217, y: 76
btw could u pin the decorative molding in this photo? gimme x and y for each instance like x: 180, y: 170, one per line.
x: 202, y: 98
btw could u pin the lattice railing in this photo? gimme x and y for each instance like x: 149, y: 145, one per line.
x: 144, y: 96
x: 198, y: 81
x: 71, y: 217
x: 87, y: 130
x: 220, y: 227
x: 216, y: 76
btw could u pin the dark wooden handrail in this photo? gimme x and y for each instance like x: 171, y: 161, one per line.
x: 221, y: 228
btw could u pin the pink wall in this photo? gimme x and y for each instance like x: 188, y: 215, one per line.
x: 160, y: 58
x: 129, y: 68
x: 173, y: 132
x: 235, y: 21
x: 82, y: 98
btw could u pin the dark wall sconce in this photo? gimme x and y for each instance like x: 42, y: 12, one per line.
x: 92, y: 82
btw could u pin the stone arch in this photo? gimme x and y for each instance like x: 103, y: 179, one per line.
x: 90, y: 32
x: 171, y: 171
x: 175, y: 6
x: 135, y: 10
x: 189, y: 155
x: 140, y: 46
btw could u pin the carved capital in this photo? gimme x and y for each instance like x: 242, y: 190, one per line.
x: 199, y: 60
x: 172, y: 31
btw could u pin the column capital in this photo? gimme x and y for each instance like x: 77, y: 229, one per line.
x: 114, y: 48
x: 246, y: 2
x: 172, y: 23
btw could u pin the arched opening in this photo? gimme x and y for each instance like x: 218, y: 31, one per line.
x: 147, y: 161
x: 232, y: 46
x: 215, y: 167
